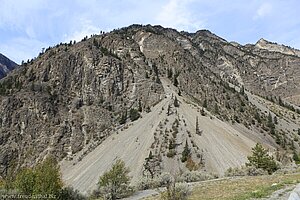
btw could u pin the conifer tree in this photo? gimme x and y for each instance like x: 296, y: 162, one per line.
x: 198, y: 132
x: 169, y: 73
x: 257, y: 117
x: 186, y: 152
x: 151, y: 165
x: 270, y: 124
x: 280, y: 102
x: 205, y: 103
x: 242, y: 90
x: 140, y: 106
x: 176, y: 102
x: 261, y: 160
x: 169, y: 110
x: 123, y: 117
x: 275, y: 120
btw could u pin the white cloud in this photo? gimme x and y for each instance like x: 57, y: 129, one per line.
x: 30, y: 32
x: 263, y: 10
x: 48, y: 22
x: 85, y: 28
x: 19, y: 49
x: 176, y: 14
x: 15, y: 14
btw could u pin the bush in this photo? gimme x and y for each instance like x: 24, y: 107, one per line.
x: 176, y: 102
x: 195, y: 176
x: 178, y: 191
x: 253, y: 171
x: 71, y: 194
x: 296, y: 158
x: 148, y: 183
x: 25, y: 181
x: 114, y: 183
x: 165, y: 179
x: 191, y: 165
x: 230, y: 172
x: 245, y: 171
x: 182, y: 191
x: 10, y: 194
x: 44, y: 179
x: 48, y: 180
x: 2, y: 183
x: 134, y: 114
x: 171, y: 153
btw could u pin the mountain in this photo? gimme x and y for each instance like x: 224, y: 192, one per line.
x: 271, y: 46
x: 6, y: 65
x: 143, y: 89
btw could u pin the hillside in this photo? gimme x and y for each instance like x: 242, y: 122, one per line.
x: 219, y: 146
x: 144, y: 88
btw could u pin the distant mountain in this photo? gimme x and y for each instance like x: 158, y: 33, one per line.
x: 6, y: 65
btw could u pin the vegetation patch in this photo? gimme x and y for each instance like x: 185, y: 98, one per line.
x: 243, y: 188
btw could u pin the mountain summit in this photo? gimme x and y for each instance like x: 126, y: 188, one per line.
x: 272, y: 46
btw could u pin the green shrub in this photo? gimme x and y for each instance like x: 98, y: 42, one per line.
x: 114, y: 184
x: 25, y: 181
x: 134, y: 114
x: 44, y: 179
x: 176, y: 191
x: 171, y: 153
x: 70, y: 194
x: 165, y: 179
x: 148, y: 183
x: 245, y: 171
x: 195, y: 176
x: 48, y: 180
x: 296, y: 158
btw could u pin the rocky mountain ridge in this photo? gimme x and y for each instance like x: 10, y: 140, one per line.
x: 271, y: 46
x: 76, y: 96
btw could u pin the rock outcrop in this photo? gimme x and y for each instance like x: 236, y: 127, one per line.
x: 271, y: 46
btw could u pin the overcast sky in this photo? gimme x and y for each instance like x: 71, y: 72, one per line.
x: 26, y: 26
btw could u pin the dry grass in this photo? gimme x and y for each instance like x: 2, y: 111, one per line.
x: 242, y: 188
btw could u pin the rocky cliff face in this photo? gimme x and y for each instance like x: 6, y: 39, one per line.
x: 6, y: 65
x: 70, y: 97
x: 265, y: 68
x: 271, y: 46
x: 74, y: 96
